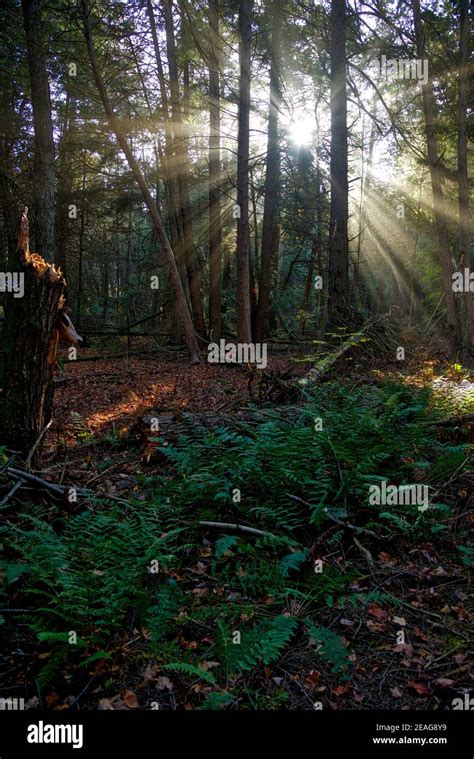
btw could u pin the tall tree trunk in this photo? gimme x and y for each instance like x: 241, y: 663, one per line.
x: 365, y: 180
x: 438, y: 200
x: 339, y: 305
x: 243, y: 231
x: 316, y: 253
x: 181, y: 151
x: 8, y: 201
x: 463, y: 182
x: 43, y: 176
x: 82, y: 233
x: 215, y: 223
x: 170, y: 177
x: 272, y: 180
x: 65, y: 182
x: 180, y: 296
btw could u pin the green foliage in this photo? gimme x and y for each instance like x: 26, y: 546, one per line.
x: 216, y: 701
x: 161, y: 616
x: 224, y: 544
x: 90, y: 572
x: 293, y: 475
x: 191, y: 670
x: 292, y: 561
x: 331, y: 646
x: 263, y: 643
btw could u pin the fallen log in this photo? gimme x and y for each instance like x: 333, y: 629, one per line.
x: 323, y: 366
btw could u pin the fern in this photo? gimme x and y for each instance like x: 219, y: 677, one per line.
x: 192, y: 670
x: 261, y: 644
x: 292, y: 561
x: 161, y: 616
x: 224, y: 544
x: 331, y: 646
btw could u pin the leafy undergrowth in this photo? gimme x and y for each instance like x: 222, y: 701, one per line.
x: 337, y: 602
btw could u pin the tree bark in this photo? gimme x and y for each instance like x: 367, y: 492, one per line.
x: 169, y: 172
x: 272, y: 181
x: 215, y: 223
x: 43, y: 173
x: 243, y: 231
x: 181, y: 301
x: 181, y: 160
x: 65, y: 182
x: 438, y: 200
x: 29, y: 357
x: 463, y: 182
x: 339, y: 305
x: 8, y: 201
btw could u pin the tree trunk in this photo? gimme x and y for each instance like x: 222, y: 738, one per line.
x: 169, y: 172
x: 339, y: 305
x: 65, y: 176
x: 8, y: 200
x: 43, y: 174
x: 180, y: 296
x: 463, y: 182
x: 243, y: 231
x: 29, y: 358
x: 438, y: 200
x: 181, y: 160
x: 272, y: 181
x: 215, y: 223
x: 82, y: 233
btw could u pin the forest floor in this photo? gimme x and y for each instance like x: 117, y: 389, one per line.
x: 385, y: 625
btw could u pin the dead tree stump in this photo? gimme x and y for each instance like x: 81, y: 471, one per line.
x: 29, y: 342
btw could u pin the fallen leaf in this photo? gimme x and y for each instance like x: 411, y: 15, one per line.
x: 399, y: 621
x: 339, y: 690
x: 376, y: 626
x: 346, y: 622
x: 312, y: 679
x: 130, y: 699
x: 377, y: 612
x: 444, y: 682
x: 420, y: 688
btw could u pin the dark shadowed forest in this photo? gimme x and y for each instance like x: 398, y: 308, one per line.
x: 237, y: 342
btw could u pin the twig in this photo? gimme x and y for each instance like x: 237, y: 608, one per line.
x: 40, y: 437
x: 10, y: 461
x: 19, y: 473
x: 340, y: 522
x: 59, y: 490
x: 365, y: 553
x: 12, y: 492
x: 443, y: 656
x: 238, y: 528
x: 81, y: 693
